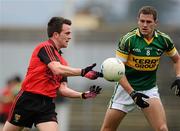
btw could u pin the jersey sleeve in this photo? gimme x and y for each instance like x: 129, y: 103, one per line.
x: 47, y: 54
x: 123, y: 49
x: 170, y: 48
x: 64, y: 79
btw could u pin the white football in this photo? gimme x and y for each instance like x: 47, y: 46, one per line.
x: 112, y: 69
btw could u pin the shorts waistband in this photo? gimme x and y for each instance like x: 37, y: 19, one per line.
x: 38, y: 96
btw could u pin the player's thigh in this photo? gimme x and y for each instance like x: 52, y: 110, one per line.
x: 48, y: 126
x: 155, y: 114
x: 112, y: 119
x: 10, y: 127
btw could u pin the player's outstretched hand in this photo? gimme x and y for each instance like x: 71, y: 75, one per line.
x: 87, y: 69
x: 176, y: 86
x: 92, y: 93
x: 138, y: 99
x: 92, y: 75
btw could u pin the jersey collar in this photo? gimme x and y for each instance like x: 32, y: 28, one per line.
x: 52, y: 42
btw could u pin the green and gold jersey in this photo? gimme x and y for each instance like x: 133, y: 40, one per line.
x: 142, y: 56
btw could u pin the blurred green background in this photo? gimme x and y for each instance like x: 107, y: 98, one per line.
x: 97, y: 27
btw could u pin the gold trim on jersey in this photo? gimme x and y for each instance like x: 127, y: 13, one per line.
x: 119, y: 54
x: 143, y: 63
x: 171, y: 52
x: 138, y: 33
x: 149, y: 41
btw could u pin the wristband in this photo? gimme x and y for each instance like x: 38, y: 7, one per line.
x: 133, y: 93
x: 178, y: 77
x: 83, y: 96
x: 82, y: 72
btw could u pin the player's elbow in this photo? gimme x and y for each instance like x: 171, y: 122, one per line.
x: 176, y: 58
x: 56, y: 68
x: 56, y: 72
x: 163, y: 128
x: 63, y: 90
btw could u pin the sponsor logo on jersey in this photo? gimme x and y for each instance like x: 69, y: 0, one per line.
x: 143, y: 63
x: 137, y: 50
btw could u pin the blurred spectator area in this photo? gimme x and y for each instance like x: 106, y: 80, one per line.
x: 93, y: 20
x: 102, y: 33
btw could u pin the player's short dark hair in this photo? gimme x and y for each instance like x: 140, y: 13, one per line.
x: 55, y: 25
x: 148, y: 10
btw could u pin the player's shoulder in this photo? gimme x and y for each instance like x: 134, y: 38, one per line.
x: 129, y: 35
x: 44, y: 44
x: 163, y: 35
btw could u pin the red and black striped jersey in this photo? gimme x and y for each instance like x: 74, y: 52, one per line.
x: 39, y: 78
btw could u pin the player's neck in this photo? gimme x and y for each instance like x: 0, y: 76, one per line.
x: 55, y: 43
x: 149, y: 36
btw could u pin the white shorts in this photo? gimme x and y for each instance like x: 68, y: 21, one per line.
x: 121, y: 100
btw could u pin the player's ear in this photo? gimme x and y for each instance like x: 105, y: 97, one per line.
x: 156, y: 22
x: 56, y: 34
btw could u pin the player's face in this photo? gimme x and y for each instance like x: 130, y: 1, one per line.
x: 65, y: 36
x: 146, y: 24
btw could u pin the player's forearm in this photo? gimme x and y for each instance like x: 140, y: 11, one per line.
x: 125, y: 84
x: 68, y: 71
x: 177, y: 67
x: 176, y: 60
x: 71, y: 93
x: 59, y: 69
x: 68, y: 92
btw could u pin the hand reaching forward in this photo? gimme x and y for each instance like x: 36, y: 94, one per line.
x: 92, y: 93
x: 92, y: 75
x: 87, y: 69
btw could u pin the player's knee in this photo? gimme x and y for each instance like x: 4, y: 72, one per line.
x: 106, y: 128
x: 163, y: 128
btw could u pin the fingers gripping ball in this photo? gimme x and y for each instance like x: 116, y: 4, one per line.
x: 112, y: 69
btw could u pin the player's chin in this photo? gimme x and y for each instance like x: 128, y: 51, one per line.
x: 65, y: 45
x: 145, y: 33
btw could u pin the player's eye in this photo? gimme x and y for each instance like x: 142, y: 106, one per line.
x: 67, y: 33
x: 142, y: 21
x: 148, y: 22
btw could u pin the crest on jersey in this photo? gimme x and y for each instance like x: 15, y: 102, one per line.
x: 159, y: 52
x: 17, y: 117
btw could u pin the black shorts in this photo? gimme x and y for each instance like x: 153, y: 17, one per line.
x: 29, y: 109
